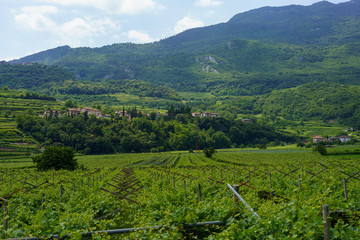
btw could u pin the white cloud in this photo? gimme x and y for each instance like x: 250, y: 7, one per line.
x: 187, y: 23
x: 75, y: 32
x: 113, y: 6
x: 34, y: 17
x: 208, y: 3
x: 81, y: 31
x: 139, y: 37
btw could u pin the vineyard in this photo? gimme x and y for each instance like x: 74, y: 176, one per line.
x: 181, y: 195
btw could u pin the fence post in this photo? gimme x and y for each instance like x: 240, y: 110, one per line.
x: 43, y: 202
x: 61, y: 192
x: 199, y: 192
x: 326, y: 220
x: 270, y: 180
x: 236, y: 188
x: 184, y: 189
x: 5, y: 216
x: 345, y: 189
x: 299, y: 182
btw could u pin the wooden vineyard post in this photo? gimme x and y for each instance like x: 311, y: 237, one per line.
x: 88, y: 179
x: 302, y: 171
x: 270, y: 180
x: 345, y: 189
x: 234, y: 177
x: 199, y: 192
x: 5, y: 216
x: 93, y: 180
x: 299, y: 182
x: 11, y: 183
x: 184, y: 189
x: 249, y: 178
x: 61, y: 192
x: 43, y: 202
x: 236, y: 188
x: 326, y: 220
x: 24, y: 180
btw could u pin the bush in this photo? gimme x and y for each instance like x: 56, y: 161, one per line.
x: 320, y: 149
x: 209, y: 152
x: 56, y: 158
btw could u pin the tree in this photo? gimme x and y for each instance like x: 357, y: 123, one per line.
x: 320, y: 148
x: 69, y: 103
x: 209, y: 152
x: 56, y: 158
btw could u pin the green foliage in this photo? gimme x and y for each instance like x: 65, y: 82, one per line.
x: 91, y: 135
x: 69, y: 103
x: 31, y: 76
x: 56, y: 158
x: 320, y: 148
x: 318, y: 100
x: 209, y: 152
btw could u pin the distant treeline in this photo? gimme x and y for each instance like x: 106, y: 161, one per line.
x: 91, y: 135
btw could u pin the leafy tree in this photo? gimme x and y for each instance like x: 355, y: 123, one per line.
x: 69, y: 103
x: 320, y: 148
x: 209, y: 152
x: 56, y: 158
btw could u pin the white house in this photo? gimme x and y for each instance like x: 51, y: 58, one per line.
x: 344, y: 139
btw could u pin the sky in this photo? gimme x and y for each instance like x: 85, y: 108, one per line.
x: 31, y: 26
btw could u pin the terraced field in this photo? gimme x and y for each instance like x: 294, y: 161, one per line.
x: 12, y: 141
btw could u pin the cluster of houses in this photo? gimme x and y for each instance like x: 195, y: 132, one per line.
x: 343, y: 139
x: 205, y: 114
x: 75, y: 112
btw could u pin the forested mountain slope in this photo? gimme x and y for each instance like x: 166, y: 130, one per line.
x: 253, y: 53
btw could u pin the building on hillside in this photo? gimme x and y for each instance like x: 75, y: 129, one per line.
x: 344, y: 139
x: 209, y: 114
x: 205, y: 114
x: 124, y: 114
x: 318, y: 139
x: 75, y: 112
x: 51, y: 114
x: 196, y: 114
x: 246, y: 120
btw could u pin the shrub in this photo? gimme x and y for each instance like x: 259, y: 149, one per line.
x: 209, y: 152
x: 320, y: 149
x: 56, y: 158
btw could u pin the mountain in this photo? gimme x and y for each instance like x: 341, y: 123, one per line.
x: 253, y: 53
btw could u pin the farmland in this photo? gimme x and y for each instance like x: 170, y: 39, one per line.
x: 286, y: 187
x: 12, y: 141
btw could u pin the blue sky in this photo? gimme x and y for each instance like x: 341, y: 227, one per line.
x: 30, y: 26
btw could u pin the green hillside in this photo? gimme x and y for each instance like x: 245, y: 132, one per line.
x: 319, y: 100
x: 253, y: 53
x: 12, y: 103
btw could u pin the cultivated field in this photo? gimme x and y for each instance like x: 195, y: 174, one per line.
x: 167, y: 193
